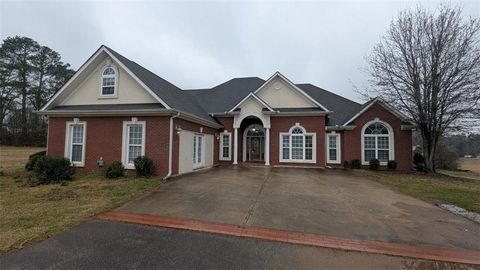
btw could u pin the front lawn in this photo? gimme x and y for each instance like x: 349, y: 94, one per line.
x: 431, y: 188
x: 29, y: 214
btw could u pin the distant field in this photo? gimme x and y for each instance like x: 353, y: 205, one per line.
x: 12, y: 157
x: 471, y: 164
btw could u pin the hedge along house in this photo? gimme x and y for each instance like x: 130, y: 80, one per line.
x: 114, y: 109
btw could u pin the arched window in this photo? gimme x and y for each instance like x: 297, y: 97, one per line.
x: 297, y: 145
x: 377, y: 142
x: 109, y: 82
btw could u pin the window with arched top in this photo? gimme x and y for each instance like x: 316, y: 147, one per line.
x: 297, y: 145
x: 377, y: 142
x: 109, y: 82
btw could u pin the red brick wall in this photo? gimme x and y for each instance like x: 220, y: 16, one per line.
x: 351, y: 140
x: 310, y: 123
x: 104, y: 139
x: 190, y: 126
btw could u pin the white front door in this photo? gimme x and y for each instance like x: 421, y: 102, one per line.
x: 198, y: 146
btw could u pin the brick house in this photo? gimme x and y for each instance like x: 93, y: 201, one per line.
x: 114, y: 109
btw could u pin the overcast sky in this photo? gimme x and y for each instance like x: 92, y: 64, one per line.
x: 202, y: 44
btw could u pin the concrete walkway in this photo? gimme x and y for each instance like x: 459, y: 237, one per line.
x: 329, y: 203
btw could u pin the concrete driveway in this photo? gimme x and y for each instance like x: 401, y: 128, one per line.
x: 329, y: 202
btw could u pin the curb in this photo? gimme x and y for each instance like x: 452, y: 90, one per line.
x: 394, y: 249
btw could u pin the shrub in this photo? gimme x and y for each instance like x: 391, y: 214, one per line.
x: 419, y: 162
x: 392, y: 165
x: 374, y: 164
x: 346, y: 165
x: 355, y: 164
x: 33, y: 158
x: 418, y: 159
x: 52, y: 169
x: 114, y: 170
x: 143, y: 166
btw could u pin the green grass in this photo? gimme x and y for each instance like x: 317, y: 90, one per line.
x: 431, y: 188
x: 30, y: 214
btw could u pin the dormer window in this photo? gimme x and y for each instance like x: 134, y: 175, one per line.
x: 109, y: 82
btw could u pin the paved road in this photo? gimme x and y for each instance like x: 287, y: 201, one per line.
x: 111, y: 245
x: 325, y: 202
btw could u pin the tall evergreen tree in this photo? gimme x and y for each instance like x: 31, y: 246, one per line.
x: 30, y: 75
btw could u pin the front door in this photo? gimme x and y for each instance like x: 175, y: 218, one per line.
x: 256, y: 148
x: 254, y: 143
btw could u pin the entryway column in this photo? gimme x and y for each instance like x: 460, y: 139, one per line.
x: 235, y: 146
x: 267, y: 146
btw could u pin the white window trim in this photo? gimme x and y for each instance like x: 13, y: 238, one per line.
x: 327, y: 143
x: 202, y: 163
x: 391, y: 142
x: 220, y: 153
x: 115, y: 87
x: 289, y: 133
x: 68, y: 142
x: 127, y: 165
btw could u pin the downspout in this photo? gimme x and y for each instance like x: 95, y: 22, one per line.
x: 170, y: 147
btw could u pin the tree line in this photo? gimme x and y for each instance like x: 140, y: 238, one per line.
x: 30, y: 74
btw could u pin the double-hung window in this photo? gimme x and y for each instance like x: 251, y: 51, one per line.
x: 297, y: 146
x: 225, y: 146
x: 134, y: 142
x: 75, y: 142
x: 333, y: 148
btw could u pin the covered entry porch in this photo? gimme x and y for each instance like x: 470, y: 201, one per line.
x: 251, y: 140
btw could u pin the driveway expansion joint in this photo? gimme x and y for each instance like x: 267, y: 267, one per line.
x: 394, y: 249
x: 247, y: 220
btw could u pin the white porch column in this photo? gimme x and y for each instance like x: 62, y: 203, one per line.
x: 267, y: 146
x: 235, y: 147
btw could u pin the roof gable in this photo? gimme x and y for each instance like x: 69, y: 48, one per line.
x: 128, y: 90
x: 278, y: 91
x: 252, y: 97
x: 382, y: 103
x: 170, y: 96
x: 85, y: 71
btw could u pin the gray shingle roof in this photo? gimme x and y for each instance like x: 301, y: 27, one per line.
x: 343, y: 108
x: 169, y: 93
x: 223, y: 97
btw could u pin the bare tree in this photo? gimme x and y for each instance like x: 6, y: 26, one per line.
x: 428, y: 66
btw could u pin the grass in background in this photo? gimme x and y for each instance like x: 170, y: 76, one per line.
x: 14, y: 158
x: 471, y: 164
x: 29, y: 214
x: 431, y: 188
